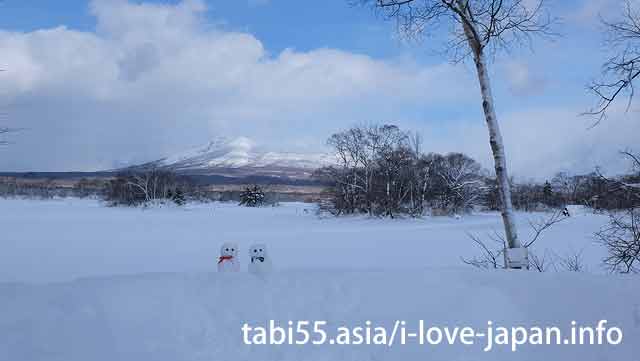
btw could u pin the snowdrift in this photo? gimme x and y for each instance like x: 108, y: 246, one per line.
x: 199, y: 316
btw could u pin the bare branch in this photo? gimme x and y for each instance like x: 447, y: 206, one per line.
x: 573, y: 262
x: 542, y: 263
x: 490, y: 258
x: 540, y: 226
x: 497, y: 24
x: 632, y: 190
x: 623, y: 68
x: 635, y: 158
x: 474, y: 26
x: 621, y: 237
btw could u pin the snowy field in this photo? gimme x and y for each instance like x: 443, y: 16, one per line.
x: 80, y: 281
x: 61, y: 240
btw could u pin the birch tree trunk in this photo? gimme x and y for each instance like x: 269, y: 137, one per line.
x: 497, y: 148
x: 495, y: 137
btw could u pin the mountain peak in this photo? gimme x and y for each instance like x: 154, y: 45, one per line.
x: 223, y: 153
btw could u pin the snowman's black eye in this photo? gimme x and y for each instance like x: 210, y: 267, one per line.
x: 231, y: 249
x: 260, y: 249
x: 226, y: 249
x: 255, y: 250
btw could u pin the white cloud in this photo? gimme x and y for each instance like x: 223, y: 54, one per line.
x: 522, y: 80
x: 541, y: 142
x: 589, y: 12
x: 156, y: 78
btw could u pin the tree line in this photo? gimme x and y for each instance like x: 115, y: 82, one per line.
x: 382, y: 170
x: 141, y: 187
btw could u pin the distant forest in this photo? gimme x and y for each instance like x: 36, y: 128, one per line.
x: 381, y: 170
x: 384, y: 171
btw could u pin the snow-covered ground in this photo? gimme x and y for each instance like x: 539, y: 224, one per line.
x: 60, y: 240
x: 199, y: 316
x: 80, y: 281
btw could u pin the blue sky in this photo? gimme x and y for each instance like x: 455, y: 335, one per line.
x: 279, y: 24
x: 286, y: 74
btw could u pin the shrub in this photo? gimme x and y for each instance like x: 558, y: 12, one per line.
x: 252, y: 197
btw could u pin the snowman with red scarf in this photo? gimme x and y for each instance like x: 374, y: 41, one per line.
x: 228, y: 261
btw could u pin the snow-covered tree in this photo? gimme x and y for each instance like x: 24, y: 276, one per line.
x: 395, y: 177
x: 461, y: 179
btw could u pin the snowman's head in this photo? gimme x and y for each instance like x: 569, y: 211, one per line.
x: 229, y: 249
x: 258, y: 252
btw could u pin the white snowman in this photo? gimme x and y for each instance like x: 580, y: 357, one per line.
x: 260, y: 260
x: 228, y: 261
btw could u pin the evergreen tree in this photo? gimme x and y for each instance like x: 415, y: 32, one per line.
x: 178, y: 197
x: 252, y: 197
x: 547, y: 194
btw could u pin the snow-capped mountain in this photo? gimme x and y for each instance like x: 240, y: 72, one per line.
x: 239, y: 157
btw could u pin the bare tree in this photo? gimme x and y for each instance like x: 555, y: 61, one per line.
x: 635, y: 159
x: 619, y: 73
x: 381, y: 171
x: 480, y: 29
x: 542, y: 225
x: 567, y: 185
x: 144, y: 187
x: 622, y: 240
x: 144, y: 183
x: 622, y: 69
x: 621, y: 236
x: 371, y: 174
x: 490, y: 256
x: 628, y: 186
x: 635, y: 165
x: 542, y: 263
x: 462, y: 179
x: 572, y: 262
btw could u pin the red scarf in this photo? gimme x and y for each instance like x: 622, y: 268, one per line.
x: 224, y: 258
